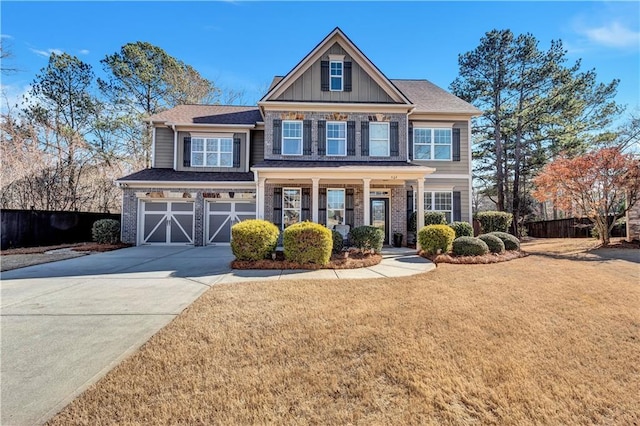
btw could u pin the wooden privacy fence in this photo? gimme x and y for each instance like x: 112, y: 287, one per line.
x: 33, y: 228
x: 566, y: 228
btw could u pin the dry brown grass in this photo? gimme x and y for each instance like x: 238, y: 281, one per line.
x: 538, y: 340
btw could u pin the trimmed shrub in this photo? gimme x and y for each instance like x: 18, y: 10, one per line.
x: 436, y: 238
x: 338, y: 241
x: 494, y: 243
x: 469, y: 246
x: 253, y: 239
x: 510, y: 242
x: 494, y: 221
x: 106, y: 231
x: 367, y: 238
x: 430, y: 218
x: 462, y: 229
x: 308, y: 242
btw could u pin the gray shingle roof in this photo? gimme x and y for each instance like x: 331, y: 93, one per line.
x: 336, y: 164
x: 170, y: 175
x: 209, y: 114
x: 427, y: 97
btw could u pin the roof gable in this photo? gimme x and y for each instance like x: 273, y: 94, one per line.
x: 379, y: 87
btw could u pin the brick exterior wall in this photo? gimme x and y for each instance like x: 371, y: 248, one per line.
x: 633, y: 223
x: 315, y: 116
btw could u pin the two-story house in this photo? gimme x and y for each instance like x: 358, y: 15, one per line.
x: 334, y: 141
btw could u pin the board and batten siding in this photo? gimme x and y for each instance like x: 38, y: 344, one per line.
x: 243, y: 153
x: 450, y: 167
x: 164, y: 148
x: 307, y: 87
x: 256, y: 152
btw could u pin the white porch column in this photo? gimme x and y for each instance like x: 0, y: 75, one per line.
x: 314, y: 199
x: 420, y: 209
x: 260, y: 198
x: 367, y: 203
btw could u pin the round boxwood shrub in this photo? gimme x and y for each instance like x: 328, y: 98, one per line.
x: 430, y: 218
x: 106, y: 231
x: 494, y: 243
x: 436, y: 239
x: 253, y: 239
x: 308, y: 242
x: 493, y: 221
x: 510, y: 242
x: 338, y: 241
x: 462, y: 229
x: 469, y: 246
x: 367, y: 238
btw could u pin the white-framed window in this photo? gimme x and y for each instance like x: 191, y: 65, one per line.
x: 432, y: 144
x: 379, y: 139
x: 292, y: 138
x: 335, y: 207
x: 336, y: 138
x: 211, y: 152
x: 439, y: 201
x: 291, y: 206
x: 335, y: 76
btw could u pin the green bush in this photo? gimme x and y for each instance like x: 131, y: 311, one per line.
x: 430, y: 218
x: 367, y: 238
x: 106, y: 231
x: 436, y: 238
x: 308, y: 242
x: 469, y: 246
x: 494, y: 221
x: 338, y: 241
x: 510, y: 242
x: 462, y: 229
x: 253, y: 239
x: 494, y: 243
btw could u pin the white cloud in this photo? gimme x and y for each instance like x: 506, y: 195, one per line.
x: 46, y: 53
x: 83, y: 51
x: 614, y: 35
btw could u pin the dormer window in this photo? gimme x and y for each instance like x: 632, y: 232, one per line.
x: 336, y: 70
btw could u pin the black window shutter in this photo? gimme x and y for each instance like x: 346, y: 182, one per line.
x: 409, y: 205
x: 236, y: 152
x: 351, y: 138
x: 186, y: 156
x: 277, y: 136
x: 347, y: 76
x: 394, y: 139
x: 306, y: 137
x: 322, y: 137
x: 410, y: 136
x: 324, y: 76
x: 348, y: 207
x: 277, y: 207
x: 456, y: 144
x: 364, y: 138
x: 306, y: 204
x: 322, y: 206
x: 457, y: 206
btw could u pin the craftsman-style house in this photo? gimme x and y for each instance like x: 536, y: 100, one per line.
x: 334, y: 141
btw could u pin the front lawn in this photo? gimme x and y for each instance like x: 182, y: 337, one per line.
x: 545, y: 339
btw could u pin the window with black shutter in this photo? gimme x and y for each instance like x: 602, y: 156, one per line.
x: 324, y: 76
x: 410, y: 136
x: 236, y: 152
x: 349, y: 204
x: 186, y: 154
x: 409, y: 205
x: 456, y: 144
x: 305, y: 213
x: 347, y: 77
x: 277, y: 207
x: 457, y: 206
x: 322, y: 137
x: 351, y: 138
x: 364, y: 138
x: 322, y: 206
x: 394, y: 139
x: 277, y: 137
x: 306, y: 137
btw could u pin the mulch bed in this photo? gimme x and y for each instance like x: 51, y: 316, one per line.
x: 475, y: 260
x: 355, y: 260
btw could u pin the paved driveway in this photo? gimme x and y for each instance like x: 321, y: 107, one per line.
x: 65, y: 324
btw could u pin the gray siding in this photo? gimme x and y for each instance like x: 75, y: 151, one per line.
x: 307, y: 87
x: 256, y: 147
x: 243, y: 156
x: 451, y: 167
x: 461, y: 185
x: 164, y: 148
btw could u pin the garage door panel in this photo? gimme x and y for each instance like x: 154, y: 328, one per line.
x: 222, y: 215
x: 167, y: 222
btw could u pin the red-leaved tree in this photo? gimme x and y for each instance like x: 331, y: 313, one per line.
x: 603, y: 184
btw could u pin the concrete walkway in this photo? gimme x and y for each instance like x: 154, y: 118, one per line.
x: 65, y: 324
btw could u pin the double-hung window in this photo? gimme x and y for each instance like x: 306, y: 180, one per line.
x: 336, y: 74
x: 292, y: 138
x: 439, y: 202
x: 336, y: 138
x: 431, y: 144
x: 211, y: 152
x: 291, y: 206
x: 379, y: 139
x: 335, y: 207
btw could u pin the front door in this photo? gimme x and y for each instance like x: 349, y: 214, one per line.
x: 380, y: 215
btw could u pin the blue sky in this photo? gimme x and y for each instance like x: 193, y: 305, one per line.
x: 242, y: 45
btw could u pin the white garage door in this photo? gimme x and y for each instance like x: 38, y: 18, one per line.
x: 167, y: 222
x: 222, y: 215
